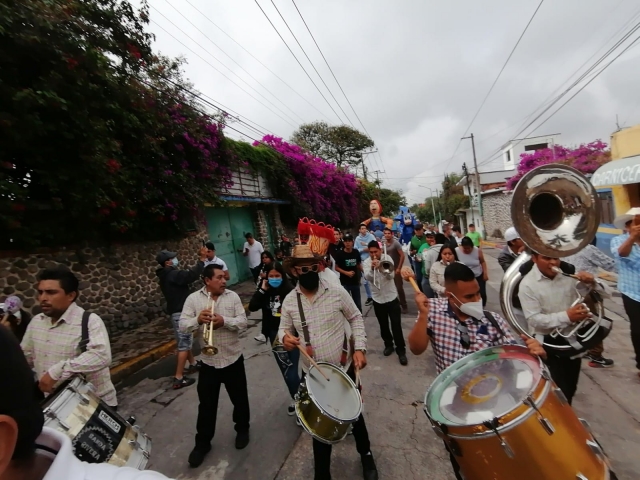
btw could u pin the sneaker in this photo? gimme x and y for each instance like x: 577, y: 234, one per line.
x: 260, y: 338
x: 403, y: 358
x: 183, y: 382
x: 193, y: 368
x: 369, y: 470
x: 291, y: 409
x: 600, y: 362
x: 197, y: 455
x: 368, y: 302
x: 387, y: 351
x: 242, y: 440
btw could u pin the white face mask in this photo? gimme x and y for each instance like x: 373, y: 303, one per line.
x: 473, y: 309
x: 175, y: 261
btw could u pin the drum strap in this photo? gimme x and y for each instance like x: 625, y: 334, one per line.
x: 84, y: 340
x: 494, y: 322
x: 307, y: 339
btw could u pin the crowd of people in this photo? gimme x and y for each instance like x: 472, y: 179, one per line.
x: 308, y: 302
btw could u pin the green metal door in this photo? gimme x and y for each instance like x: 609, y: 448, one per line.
x: 226, y: 227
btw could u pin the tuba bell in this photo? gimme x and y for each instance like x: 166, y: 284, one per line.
x: 556, y: 211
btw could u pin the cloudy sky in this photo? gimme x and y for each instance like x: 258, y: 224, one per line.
x: 415, y: 72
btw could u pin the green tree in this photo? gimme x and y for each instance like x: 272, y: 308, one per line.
x: 341, y: 144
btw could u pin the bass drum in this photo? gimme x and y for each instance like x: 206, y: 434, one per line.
x: 503, y: 419
x: 98, y: 434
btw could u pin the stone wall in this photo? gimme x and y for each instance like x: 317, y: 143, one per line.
x: 117, y: 283
x: 496, y: 209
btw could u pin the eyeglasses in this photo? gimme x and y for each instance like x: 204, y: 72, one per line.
x: 307, y: 268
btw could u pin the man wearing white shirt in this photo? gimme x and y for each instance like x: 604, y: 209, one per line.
x: 385, y: 301
x: 253, y: 249
x: 213, y: 260
x: 29, y: 451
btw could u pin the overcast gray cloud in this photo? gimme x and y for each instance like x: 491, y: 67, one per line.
x: 415, y: 71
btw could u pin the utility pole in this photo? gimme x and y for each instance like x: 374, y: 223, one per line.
x: 475, y: 165
x: 364, y: 168
x: 439, y: 210
x: 466, y: 174
x: 377, y: 172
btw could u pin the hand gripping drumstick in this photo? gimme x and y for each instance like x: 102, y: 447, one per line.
x: 410, y: 277
x: 312, y: 361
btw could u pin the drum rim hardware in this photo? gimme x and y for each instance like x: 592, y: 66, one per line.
x: 315, y: 399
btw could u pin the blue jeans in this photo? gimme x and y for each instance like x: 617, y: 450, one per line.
x: 426, y: 288
x: 354, y: 290
x: 417, y: 269
x: 184, y: 340
x: 367, y: 288
x: 288, y: 363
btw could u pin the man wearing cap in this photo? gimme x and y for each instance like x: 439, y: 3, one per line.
x: 212, y: 259
x: 30, y: 451
x: 174, y: 284
x: 515, y: 246
x: 331, y: 328
x: 626, y: 250
x: 417, y: 241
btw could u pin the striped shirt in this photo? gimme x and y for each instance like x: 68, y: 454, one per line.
x: 628, y: 268
x: 446, y: 338
x: 226, y: 339
x: 329, y: 314
x: 53, y: 348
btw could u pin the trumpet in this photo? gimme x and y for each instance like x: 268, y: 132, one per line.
x: 207, y: 333
x: 386, y: 265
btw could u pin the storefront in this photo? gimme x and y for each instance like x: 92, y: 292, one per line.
x: 618, y: 183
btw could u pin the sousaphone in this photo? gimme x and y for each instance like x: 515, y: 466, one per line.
x: 556, y: 212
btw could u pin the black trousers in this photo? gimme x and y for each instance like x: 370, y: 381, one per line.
x: 390, y: 313
x: 322, y: 451
x: 483, y: 290
x: 565, y: 373
x: 210, y: 379
x: 632, y: 308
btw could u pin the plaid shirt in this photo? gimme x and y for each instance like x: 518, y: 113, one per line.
x: 325, y: 314
x: 53, y: 348
x: 446, y: 338
x: 225, y: 339
x: 628, y: 268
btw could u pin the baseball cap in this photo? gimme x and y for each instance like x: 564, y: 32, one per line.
x: 347, y: 237
x: 165, y: 255
x: 418, y: 226
x: 510, y: 235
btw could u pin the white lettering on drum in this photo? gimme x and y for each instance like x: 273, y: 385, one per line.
x: 109, y: 422
x: 87, y: 448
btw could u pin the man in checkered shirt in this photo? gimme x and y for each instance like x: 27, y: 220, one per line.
x: 457, y: 325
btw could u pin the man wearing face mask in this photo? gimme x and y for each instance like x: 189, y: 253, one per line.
x: 174, y: 284
x: 457, y: 325
x: 332, y: 330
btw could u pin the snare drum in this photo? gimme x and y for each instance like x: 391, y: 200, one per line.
x: 98, y: 434
x: 503, y: 418
x: 326, y: 409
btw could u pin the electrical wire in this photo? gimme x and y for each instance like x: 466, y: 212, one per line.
x: 299, y: 63
x: 256, y: 59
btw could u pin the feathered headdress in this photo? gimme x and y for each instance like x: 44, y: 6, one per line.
x: 316, y: 235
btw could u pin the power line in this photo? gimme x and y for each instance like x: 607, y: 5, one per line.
x: 496, y: 80
x: 299, y: 63
x: 256, y: 59
x: 233, y: 60
x: 212, y: 56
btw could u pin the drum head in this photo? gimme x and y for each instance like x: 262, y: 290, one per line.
x: 339, y: 397
x: 483, y: 385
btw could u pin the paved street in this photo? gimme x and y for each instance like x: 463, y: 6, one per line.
x: 402, y: 440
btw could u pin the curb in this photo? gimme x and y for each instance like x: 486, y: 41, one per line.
x: 491, y: 244
x: 137, y: 363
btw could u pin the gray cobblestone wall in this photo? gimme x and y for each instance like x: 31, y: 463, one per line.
x: 497, y: 213
x: 119, y: 283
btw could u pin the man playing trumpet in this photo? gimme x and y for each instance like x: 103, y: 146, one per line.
x: 228, y: 317
x: 386, y: 304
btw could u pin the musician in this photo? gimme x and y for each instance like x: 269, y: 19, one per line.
x: 546, y: 297
x: 226, y: 367
x: 53, y: 337
x: 515, y: 246
x: 394, y: 250
x: 29, y: 451
x: 386, y: 304
x: 329, y: 313
x: 457, y: 325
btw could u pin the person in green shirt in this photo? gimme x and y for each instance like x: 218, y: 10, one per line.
x: 417, y: 241
x: 473, y: 235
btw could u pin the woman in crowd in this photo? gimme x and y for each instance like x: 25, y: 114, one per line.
x: 446, y: 257
x: 473, y: 258
x: 269, y: 298
x: 266, y: 261
x: 14, y: 317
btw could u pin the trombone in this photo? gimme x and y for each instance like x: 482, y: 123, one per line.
x: 207, y: 332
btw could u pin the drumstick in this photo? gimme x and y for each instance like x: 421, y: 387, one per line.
x: 409, y: 276
x: 312, y: 361
x: 357, y: 371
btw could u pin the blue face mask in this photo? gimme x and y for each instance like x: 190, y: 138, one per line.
x: 275, y: 282
x: 175, y: 261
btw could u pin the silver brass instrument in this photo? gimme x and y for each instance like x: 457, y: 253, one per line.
x: 386, y: 265
x: 556, y: 211
x: 207, y: 332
